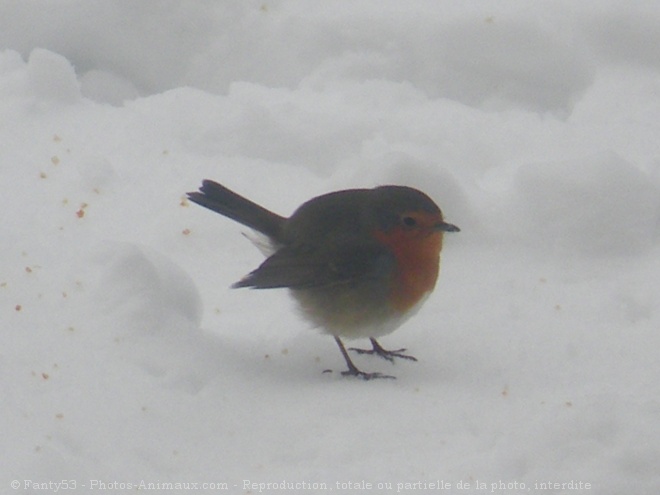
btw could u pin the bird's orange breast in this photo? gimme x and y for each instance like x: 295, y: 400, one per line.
x: 418, y: 264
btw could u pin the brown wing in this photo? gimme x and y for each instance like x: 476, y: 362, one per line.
x: 299, y: 267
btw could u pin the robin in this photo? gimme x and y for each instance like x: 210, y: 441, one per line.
x: 359, y: 262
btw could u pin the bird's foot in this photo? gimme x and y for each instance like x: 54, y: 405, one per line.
x: 353, y: 370
x: 366, y: 376
x: 378, y: 350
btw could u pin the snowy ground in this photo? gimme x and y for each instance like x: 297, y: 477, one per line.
x: 126, y: 359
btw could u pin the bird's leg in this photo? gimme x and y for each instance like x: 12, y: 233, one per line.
x: 353, y: 370
x: 385, y: 354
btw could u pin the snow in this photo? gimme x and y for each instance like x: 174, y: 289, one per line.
x: 126, y: 359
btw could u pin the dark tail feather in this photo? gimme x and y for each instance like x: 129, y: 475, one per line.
x: 226, y: 202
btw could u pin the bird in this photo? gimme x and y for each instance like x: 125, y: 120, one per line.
x: 359, y: 262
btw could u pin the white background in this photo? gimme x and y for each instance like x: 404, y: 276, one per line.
x: 124, y: 356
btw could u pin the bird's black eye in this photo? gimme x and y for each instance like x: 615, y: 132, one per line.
x: 409, y: 221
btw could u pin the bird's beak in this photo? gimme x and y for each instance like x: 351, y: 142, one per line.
x: 446, y: 227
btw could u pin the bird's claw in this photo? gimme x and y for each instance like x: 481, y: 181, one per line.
x: 385, y: 354
x: 366, y: 376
